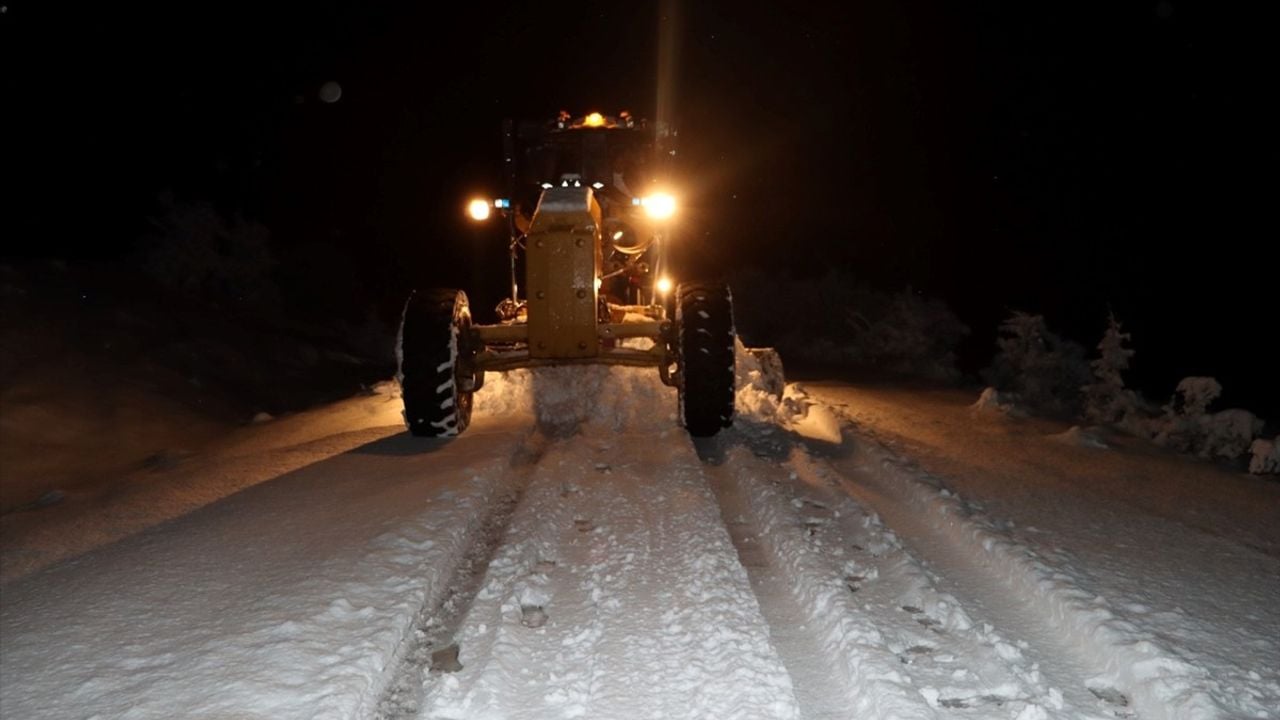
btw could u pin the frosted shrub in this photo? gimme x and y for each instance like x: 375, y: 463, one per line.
x: 1106, y: 400
x: 1179, y: 428
x: 833, y: 319
x: 1265, y: 456
x: 196, y: 250
x: 1044, y: 370
x: 1197, y: 394
x: 913, y: 335
x: 1188, y: 427
x: 1228, y: 434
x: 811, y: 309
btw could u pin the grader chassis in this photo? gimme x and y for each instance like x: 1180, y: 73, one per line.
x: 590, y: 244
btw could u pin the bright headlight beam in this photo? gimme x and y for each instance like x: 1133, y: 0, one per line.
x: 663, y: 285
x: 478, y: 209
x: 659, y: 206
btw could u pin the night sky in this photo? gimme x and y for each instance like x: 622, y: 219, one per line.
x: 1068, y: 159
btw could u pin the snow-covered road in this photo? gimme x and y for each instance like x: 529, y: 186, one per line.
x: 574, y: 554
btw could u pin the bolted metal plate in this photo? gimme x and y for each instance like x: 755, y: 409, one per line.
x: 562, y: 263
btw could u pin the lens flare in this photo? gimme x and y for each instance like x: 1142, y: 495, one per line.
x: 478, y: 209
x: 659, y: 206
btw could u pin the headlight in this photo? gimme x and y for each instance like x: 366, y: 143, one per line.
x: 663, y: 285
x: 478, y: 209
x: 659, y: 206
x: 622, y: 237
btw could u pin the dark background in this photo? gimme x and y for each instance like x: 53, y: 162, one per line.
x: 1064, y: 159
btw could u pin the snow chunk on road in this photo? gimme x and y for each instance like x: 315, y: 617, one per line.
x: 1079, y: 437
x: 760, y: 407
x: 994, y: 401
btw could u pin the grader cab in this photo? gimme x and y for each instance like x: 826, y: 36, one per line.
x: 589, y: 223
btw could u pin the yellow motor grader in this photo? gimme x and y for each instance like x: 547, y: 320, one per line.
x: 589, y: 222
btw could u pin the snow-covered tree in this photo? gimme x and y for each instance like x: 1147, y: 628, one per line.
x: 1188, y: 427
x: 1045, y: 371
x: 1106, y: 399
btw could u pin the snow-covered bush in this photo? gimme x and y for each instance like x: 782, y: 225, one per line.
x: 1106, y: 400
x: 771, y: 308
x: 1179, y: 427
x: 1228, y: 434
x: 1188, y: 427
x: 1265, y: 456
x: 199, y: 252
x: 915, y: 335
x: 1045, y: 370
x: 1197, y: 394
x: 833, y: 319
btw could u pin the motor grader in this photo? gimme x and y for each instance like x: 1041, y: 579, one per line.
x: 589, y: 223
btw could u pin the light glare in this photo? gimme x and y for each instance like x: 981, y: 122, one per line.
x: 659, y: 206
x: 663, y: 286
x: 478, y: 209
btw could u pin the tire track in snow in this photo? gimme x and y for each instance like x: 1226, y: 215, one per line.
x: 617, y: 594
x: 431, y: 641
x: 1070, y: 635
x: 826, y: 685
x: 859, y: 622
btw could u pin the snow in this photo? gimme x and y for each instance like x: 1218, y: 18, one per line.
x: 176, y: 483
x: 842, y: 551
x: 1080, y: 437
x: 994, y: 401
x: 1156, y: 571
x: 286, y: 600
x: 1265, y: 456
x: 648, y: 612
